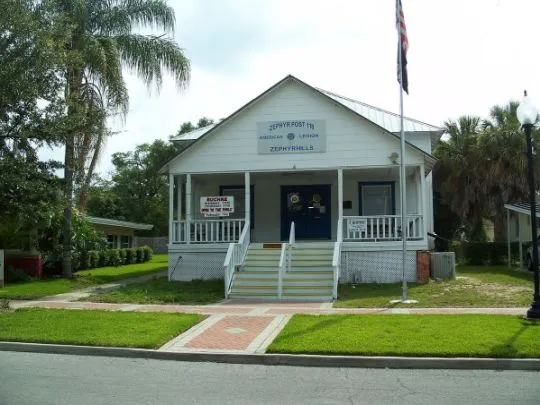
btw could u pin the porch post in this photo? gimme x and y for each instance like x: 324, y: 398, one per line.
x: 340, y: 202
x: 247, y: 194
x: 509, y: 264
x: 188, y: 208
x: 178, y: 231
x: 171, y: 207
x: 424, y: 201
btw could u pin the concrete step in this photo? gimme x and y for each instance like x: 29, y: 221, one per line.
x: 309, y: 275
x: 300, y: 269
x: 258, y: 263
x: 326, y: 282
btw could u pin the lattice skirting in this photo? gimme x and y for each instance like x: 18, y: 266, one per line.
x: 196, y: 265
x: 376, y: 267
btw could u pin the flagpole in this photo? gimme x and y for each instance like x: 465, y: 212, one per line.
x: 403, y: 181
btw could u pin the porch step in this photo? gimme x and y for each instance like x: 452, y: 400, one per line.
x: 310, y: 277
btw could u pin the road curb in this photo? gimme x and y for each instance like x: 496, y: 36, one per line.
x: 462, y: 363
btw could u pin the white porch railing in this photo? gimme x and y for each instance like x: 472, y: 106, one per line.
x: 336, y: 259
x: 292, y: 241
x: 381, y: 228
x: 208, y: 230
x: 235, y: 257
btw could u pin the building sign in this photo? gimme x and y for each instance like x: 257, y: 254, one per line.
x: 356, y: 225
x: 295, y: 136
x: 218, y: 206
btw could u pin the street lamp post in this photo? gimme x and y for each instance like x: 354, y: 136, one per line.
x: 527, y: 116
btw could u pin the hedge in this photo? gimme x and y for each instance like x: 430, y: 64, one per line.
x: 482, y: 253
x: 93, y: 259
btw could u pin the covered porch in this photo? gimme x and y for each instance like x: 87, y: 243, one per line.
x: 353, y: 206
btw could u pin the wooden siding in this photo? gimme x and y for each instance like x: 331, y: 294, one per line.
x: 351, y: 140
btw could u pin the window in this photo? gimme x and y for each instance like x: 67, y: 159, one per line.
x: 125, y: 242
x: 238, y: 192
x: 377, y: 199
x: 111, y: 241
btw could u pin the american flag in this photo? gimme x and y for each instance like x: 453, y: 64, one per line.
x: 403, y: 47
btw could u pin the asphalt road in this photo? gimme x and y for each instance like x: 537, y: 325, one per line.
x: 28, y: 379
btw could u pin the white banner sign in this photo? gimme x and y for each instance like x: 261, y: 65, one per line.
x: 218, y: 206
x: 356, y: 225
x: 296, y: 136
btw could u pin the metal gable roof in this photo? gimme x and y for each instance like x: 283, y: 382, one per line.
x: 199, y: 133
x: 383, y: 118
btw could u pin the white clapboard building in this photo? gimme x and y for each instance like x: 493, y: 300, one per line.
x: 296, y: 191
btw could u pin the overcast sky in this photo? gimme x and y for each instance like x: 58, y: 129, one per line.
x: 464, y: 57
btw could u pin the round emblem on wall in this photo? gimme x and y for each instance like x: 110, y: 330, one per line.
x: 295, y: 198
x: 290, y: 136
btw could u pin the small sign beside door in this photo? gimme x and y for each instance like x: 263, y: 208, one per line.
x: 217, y: 206
x: 357, y: 225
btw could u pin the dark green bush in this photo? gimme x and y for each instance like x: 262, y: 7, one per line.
x: 15, y: 275
x: 139, y: 255
x: 130, y: 256
x: 122, y: 254
x: 113, y: 257
x: 487, y: 253
x: 84, y: 260
x: 93, y: 259
x: 147, y: 253
x: 102, y: 258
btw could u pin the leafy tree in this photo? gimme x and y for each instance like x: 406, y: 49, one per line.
x: 101, y: 41
x: 137, y: 191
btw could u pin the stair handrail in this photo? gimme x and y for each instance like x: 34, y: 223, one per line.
x: 336, y: 258
x: 292, y: 240
x: 236, y: 254
x: 282, y: 268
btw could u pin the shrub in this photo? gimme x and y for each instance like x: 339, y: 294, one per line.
x: 122, y: 254
x: 113, y: 257
x: 93, y: 259
x: 139, y: 255
x: 103, y: 258
x: 130, y: 256
x: 147, y: 253
x: 84, y: 260
x: 484, y: 253
x: 15, y: 275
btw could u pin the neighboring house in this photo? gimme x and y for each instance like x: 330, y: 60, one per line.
x: 518, y: 228
x: 119, y: 234
x: 304, y: 156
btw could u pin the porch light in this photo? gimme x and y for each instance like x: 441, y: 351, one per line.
x: 527, y: 115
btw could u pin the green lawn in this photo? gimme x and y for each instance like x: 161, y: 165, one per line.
x: 162, y: 291
x: 94, y: 328
x: 410, y: 335
x: 475, y: 286
x: 85, y: 278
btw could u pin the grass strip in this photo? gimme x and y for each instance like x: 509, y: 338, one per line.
x: 500, y: 336
x: 86, y: 278
x: 94, y: 328
x: 162, y: 291
x: 475, y: 287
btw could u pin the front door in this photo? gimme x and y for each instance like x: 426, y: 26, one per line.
x: 309, y: 208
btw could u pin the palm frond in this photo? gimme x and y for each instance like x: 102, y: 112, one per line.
x: 149, y: 55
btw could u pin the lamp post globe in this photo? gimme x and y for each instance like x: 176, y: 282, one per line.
x: 527, y: 116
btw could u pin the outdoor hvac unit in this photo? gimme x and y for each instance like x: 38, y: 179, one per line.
x: 443, y: 265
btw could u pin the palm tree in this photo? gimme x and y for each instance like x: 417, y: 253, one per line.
x: 102, y: 41
x: 502, y: 147
x: 456, y: 175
